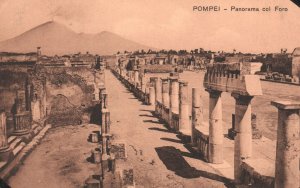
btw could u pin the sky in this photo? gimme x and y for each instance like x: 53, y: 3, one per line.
x: 164, y: 24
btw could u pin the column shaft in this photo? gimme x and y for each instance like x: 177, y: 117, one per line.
x: 184, y: 118
x: 3, y: 133
x: 215, y: 150
x: 197, y: 111
x: 287, y: 150
x: 243, y: 130
x: 174, y: 99
x: 152, y: 96
x: 158, y: 95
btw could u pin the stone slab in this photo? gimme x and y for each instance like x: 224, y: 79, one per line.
x: 286, y: 105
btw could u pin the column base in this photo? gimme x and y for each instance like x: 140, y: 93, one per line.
x: 215, y: 153
x: 26, y: 135
x: 6, y: 154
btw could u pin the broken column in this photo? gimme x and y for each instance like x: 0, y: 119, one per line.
x: 215, y: 149
x: 287, y: 149
x: 197, y: 112
x: 158, y: 94
x: 184, y: 117
x: 4, y: 147
x: 243, y: 133
x: 174, y: 99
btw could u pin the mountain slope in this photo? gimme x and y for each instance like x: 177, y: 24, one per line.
x: 55, y: 38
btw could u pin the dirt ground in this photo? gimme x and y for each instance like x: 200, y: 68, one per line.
x: 61, y: 160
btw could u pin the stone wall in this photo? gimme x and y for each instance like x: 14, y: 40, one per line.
x: 70, y: 92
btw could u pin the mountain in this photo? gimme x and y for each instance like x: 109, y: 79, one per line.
x: 55, y: 38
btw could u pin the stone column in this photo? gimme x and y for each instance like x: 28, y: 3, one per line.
x: 243, y: 131
x: 3, y: 133
x: 165, y: 99
x: 165, y: 92
x: 197, y: 112
x: 103, y: 100
x: 152, y: 96
x: 143, y: 83
x: 101, y: 91
x: 184, y: 117
x: 287, y: 149
x: 215, y: 149
x: 28, y: 96
x: 158, y: 94
x: 136, y: 78
x: 5, y: 151
x: 105, y: 125
x: 174, y: 98
x: 104, y: 156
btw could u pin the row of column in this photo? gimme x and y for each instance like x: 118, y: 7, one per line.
x: 174, y: 95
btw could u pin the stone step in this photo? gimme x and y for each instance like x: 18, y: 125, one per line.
x: 11, y: 139
x: 15, y: 143
x: 18, y: 148
x: 36, y: 129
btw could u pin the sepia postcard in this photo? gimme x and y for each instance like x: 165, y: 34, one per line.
x: 149, y: 93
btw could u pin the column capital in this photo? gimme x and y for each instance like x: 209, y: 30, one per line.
x: 173, y: 79
x: 243, y: 99
x: 165, y: 80
x: 286, y: 105
x: 213, y: 92
x: 183, y: 83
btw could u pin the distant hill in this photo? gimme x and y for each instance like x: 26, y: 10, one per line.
x: 55, y: 38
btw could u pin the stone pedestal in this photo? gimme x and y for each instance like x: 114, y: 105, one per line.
x: 197, y: 112
x: 184, y: 118
x: 112, y: 163
x: 94, y: 137
x: 215, y: 148
x: 174, y: 99
x: 5, y: 151
x: 243, y: 133
x: 96, y: 156
x: 287, y: 149
x: 22, y: 123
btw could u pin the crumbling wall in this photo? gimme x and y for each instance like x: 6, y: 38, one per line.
x: 69, y: 95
